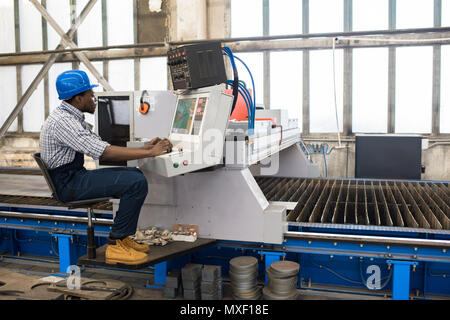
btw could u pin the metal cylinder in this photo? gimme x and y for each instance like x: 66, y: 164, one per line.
x: 281, y: 281
x: 243, y: 275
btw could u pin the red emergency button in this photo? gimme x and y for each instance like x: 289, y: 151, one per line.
x: 185, y: 163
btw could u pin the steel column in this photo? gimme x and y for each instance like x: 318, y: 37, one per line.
x: 65, y: 256
x: 400, y: 282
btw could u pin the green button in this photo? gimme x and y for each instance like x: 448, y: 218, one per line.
x: 175, y: 165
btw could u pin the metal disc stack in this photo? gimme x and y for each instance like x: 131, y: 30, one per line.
x: 282, y: 281
x: 244, y: 273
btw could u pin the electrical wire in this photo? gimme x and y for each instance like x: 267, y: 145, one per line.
x: 334, y: 86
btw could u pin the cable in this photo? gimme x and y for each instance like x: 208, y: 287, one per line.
x: 325, y: 161
x: 334, y: 86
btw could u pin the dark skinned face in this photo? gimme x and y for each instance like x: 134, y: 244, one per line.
x: 86, y: 102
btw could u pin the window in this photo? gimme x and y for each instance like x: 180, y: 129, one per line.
x: 246, y: 18
x: 254, y: 61
x: 370, y: 90
x: 33, y: 111
x: 120, y: 22
x: 7, y: 37
x: 370, y: 15
x: 445, y: 90
x: 30, y: 27
x: 326, y: 16
x: 153, y: 74
x: 322, y: 101
x: 414, y: 14
x: 445, y: 13
x: 90, y: 31
x: 8, y: 93
x: 121, y: 75
x: 53, y: 73
x: 413, y: 98
x: 285, y: 17
x: 60, y: 12
x: 286, y: 82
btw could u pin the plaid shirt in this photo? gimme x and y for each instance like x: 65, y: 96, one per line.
x: 64, y: 133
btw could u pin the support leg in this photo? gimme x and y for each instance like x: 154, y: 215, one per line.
x: 401, y: 277
x: 65, y: 256
x: 271, y: 257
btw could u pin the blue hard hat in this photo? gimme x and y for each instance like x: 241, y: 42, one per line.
x: 70, y: 83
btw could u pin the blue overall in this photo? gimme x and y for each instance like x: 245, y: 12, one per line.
x: 73, y: 182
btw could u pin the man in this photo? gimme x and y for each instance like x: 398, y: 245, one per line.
x: 66, y: 137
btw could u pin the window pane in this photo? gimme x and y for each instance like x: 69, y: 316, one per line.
x: 370, y: 90
x: 370, y: 15
x: 30, y: 27
x: 445, y: 13
x: 288, y: 93
x: 60, y: 12
x: 7, y: 38
x: 33, y: 111
x: 53, y: 73
x: 285, y: 17
x: 120, y: 22
x: 415, y: 14
x: 414, y: 78
x: 445, y: 89
x: 326, y: 16
x: 93, y: 21
x: 322, y: 102
x: 254, y: 62
x: 121, y: 75
x: 8, y: 92
x: 154, y: 73
x: 246, y: 18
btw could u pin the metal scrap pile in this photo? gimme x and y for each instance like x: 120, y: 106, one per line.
x: 153, y: 237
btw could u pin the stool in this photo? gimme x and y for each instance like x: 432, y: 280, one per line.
x: 88, y: 204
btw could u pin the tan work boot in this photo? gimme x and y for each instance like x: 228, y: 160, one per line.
x: 120, y: 253
x: 130, y: 243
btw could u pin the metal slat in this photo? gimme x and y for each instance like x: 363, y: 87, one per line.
x: 307, y: 208
x: 338, y: 213
x: 301, y: 190
x: 292, y: 190
x: 441, y: 203
x: 384, y: 209
x: 316, y: 214
x: 423, y: 206
x: 392, y: 204
x: 292, y: 216
x: 373, y: 205
x: 445, y: 221
x: 331, y: 198
x: 283, y: 190
x: 405, y: 212
x: 415, y: 210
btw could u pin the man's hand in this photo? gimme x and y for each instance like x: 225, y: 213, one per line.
x: 160, y: 147
x: 149, y: 145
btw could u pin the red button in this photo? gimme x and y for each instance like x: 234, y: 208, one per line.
x: 185, y: 163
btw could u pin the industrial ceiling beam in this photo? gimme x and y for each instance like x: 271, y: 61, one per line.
x: 51, y: 60
x: 314, y: 42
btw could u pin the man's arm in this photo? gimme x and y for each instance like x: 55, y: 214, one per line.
x: 116, y: 153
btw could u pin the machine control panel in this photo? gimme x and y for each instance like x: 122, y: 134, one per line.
x: 196, y: 66
x: 199, y: 115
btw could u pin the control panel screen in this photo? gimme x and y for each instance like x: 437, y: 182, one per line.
x: 184, y: 115
x: 199, y: 115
